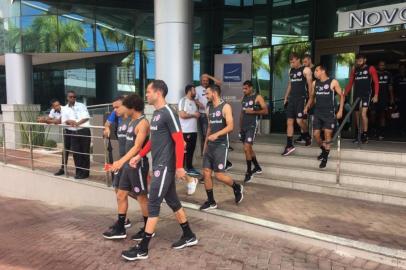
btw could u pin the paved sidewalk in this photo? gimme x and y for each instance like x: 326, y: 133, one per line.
x: 38, y: 236
x: 358, y: 220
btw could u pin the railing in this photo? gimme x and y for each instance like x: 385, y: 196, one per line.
x: 23, y: 144
x: 337, y: 136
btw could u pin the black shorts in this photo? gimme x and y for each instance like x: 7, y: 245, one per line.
x: 163, y: 186
x: 247, y: 135
x: 381, y: 106
x: 215, y: 157
x: 135, y: 179
x: 295, y: 108
x: 325, y: 120
x: 365, y: 97
x: 116, y: 178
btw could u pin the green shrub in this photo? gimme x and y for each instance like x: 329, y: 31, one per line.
x: 49, y: 144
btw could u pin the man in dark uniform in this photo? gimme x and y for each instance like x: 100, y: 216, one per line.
x: 386, y: 98
x: 131, y: 180
x: 300, y: 83
x: 253, y: 105
x: 400, y: 94
x: 325, y: 116
x: 221, y: 123
x: 362, y: 77
x: 167, y: 149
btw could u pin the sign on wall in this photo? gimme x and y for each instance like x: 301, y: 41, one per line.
x: 372, y: 17
x: 233, y: 70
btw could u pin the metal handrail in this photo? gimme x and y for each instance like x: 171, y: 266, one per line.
x: 337, y: 136
x: 31, y: 144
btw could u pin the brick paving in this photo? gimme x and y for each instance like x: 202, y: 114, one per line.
x: 38, y: 236
x: 355, y: 219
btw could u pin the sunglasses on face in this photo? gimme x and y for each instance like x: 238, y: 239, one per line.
x: 71, y: 96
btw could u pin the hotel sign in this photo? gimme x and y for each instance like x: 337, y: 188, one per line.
x: 372, y: 17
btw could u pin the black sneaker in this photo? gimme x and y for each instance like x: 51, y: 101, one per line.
x: 257, y: 170
x: 185, y: 241
x: 355, y: 140
x: 364, y: 139
x: 308, y: 141
x: 127, y: 224
x: 239, y: 194
x: 300, y: 140
x: 323, y: 163
x: 229, y: 165
x: 139, y: 235
x: 288, y: 150
x: 115, y: 233
x: 206, y: 206
x: 248, y: 177
x: 60, y: 172
x: 134, y: 253
x: 320, y: 157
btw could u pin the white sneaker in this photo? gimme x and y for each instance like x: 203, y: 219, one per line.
x: 191, y: 186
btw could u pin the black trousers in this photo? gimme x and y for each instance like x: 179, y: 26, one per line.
x: 80, y: 145
x: 67, y: 144
x: 190, y: 139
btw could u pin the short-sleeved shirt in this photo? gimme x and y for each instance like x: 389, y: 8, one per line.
x: 77, y: 112
x: 164, y: 123
x: 55, y: 114
x: 189, y: 106
x: 201, y: 97
x: 112, y: 118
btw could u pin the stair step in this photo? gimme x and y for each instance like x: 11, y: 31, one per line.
x: 374, y: 194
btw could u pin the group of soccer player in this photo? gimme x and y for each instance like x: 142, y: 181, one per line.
x: 309, y: 89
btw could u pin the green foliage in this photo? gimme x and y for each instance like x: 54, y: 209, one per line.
x: 49, y: 144
x: 38, y: 133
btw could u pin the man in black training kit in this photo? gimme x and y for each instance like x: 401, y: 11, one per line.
x: 300, y: 83
x: 132, y: 181
x: 167, y: 149
x: 253, y: 105
x: 221, y: 123
x: 363, y: 77
x: 385, y: 99
x: 325, y: 117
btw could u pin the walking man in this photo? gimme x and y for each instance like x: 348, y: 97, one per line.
x: 216, y: 145
x: 132, y: 180
x: 325, y: 115
x: 362, y: 77
x: 300, y: 83
x: 253, y: 105
x: 167, y: 149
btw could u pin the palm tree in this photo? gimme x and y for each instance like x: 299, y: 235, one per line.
x: 45, y: 34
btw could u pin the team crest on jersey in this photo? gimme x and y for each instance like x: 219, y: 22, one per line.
x: 221, y: 166
x: 218, y: 113
x: 326, y: 86
x: 157, y: 173
x: 360, y: 73
x: 136, y: 189
x: 385, y: 77
x: 299, y: 73
x: 130, y: 129
x: 365, y: 72
x: 294, y: 76
x: 381, y: 78
x: 119, y: 128
x: 251, y: 102
x: 124, y: 127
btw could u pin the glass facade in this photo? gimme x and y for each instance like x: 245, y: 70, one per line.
x: 267, y: 29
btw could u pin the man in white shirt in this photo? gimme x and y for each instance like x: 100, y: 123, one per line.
x: 76, y: 116
x: 54, y: 117
x: 188, y: 117
x: 201, y: 102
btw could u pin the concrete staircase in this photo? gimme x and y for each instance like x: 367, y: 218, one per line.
x: 371, y: 175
